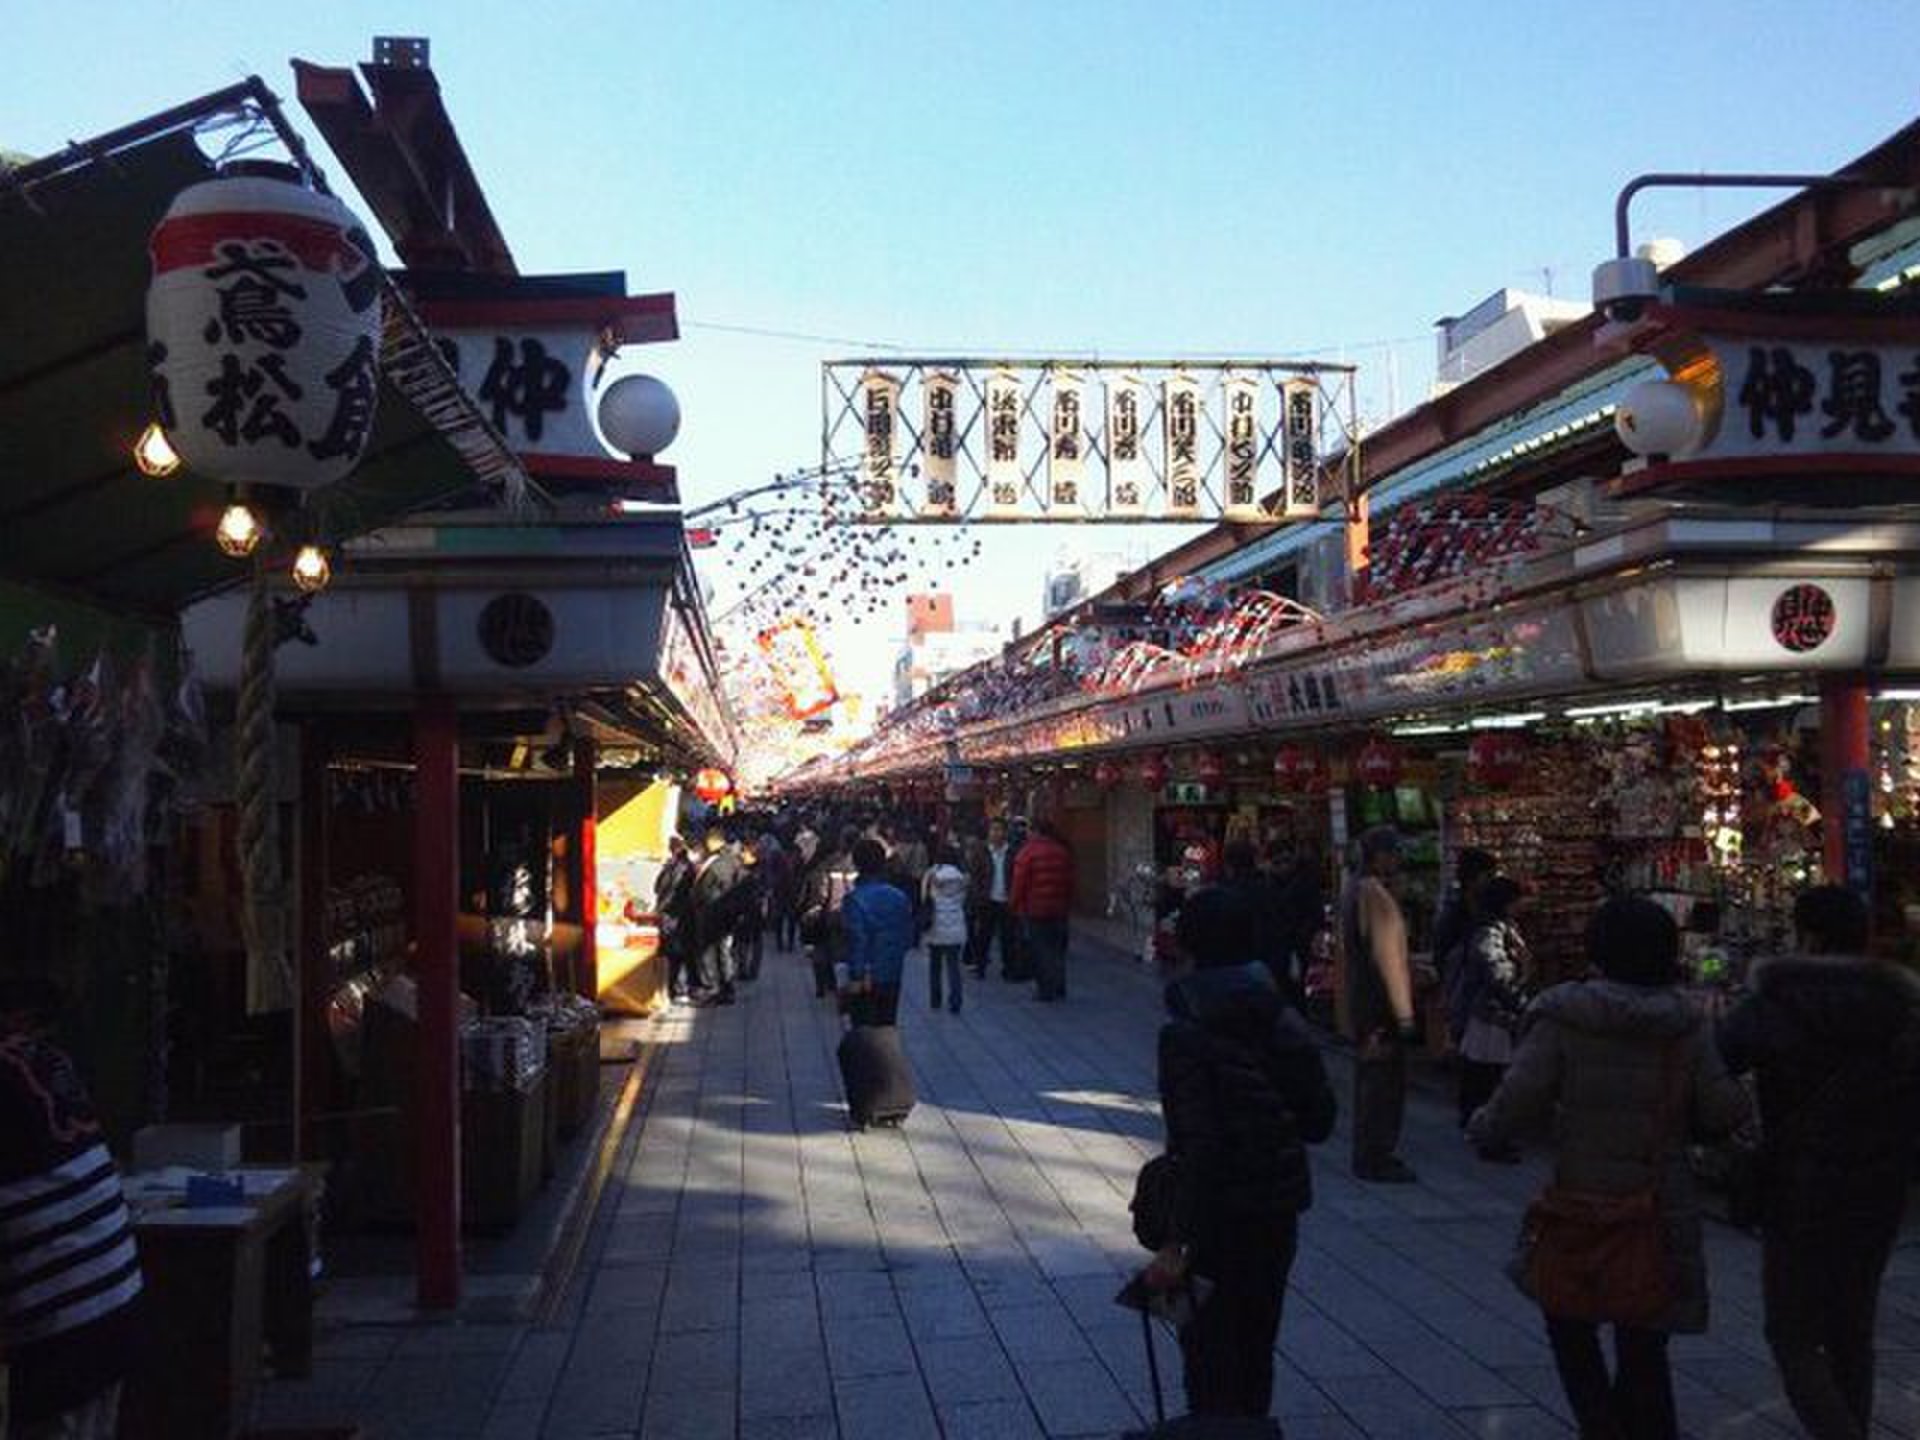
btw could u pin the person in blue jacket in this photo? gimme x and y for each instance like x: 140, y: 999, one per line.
x: 877, y: 922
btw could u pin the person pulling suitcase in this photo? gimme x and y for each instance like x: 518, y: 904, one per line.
x: 877, y: 923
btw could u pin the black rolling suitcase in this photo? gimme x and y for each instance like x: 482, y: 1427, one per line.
x: 1185, y: 1427
x: 874, y: 1071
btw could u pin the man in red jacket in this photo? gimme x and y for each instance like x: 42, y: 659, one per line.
x: 1042, y: 899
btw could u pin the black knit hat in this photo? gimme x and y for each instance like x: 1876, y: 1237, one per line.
x: 1216, y: 927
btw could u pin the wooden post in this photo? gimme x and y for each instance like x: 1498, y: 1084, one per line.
x: 313, y: 980
x: 436, y: 880
x: 1359, y: 539
x: 1846, y: 783
x: 587, y: 894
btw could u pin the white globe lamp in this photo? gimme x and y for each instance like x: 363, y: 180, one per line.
x: 1660, y: 417
x: 639, y: 416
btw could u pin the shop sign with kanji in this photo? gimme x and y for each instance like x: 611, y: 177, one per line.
x: 533, y: 366
x: 1815, y: 399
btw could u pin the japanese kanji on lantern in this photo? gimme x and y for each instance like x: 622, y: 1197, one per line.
x: 263, y: 328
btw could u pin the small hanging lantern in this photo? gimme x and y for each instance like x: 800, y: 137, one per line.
x: 1153, y: 772
x: 311, y: 569
x: 1210, y: 769
x: 712, y: 786
x: 1378, y: 765
x: 1106, y: 774
x: 153, y: 453
x: 263, y: 329
x: 239, y: 531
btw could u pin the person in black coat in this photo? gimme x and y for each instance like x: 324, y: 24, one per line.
x: 1243, y: 1092
x: 673, y: 904
x: 1833, y: 1039
x: 717, y: 893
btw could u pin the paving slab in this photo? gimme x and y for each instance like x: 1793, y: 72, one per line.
x: 757, y: 1272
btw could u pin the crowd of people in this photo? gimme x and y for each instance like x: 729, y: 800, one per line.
x: 1619, y: 1071
x: 858, y: 891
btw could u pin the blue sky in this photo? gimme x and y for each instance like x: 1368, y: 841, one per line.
x: 1273, y: 179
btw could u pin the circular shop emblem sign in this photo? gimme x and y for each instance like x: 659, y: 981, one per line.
x: 1803, y: 618
x: 516, y: 629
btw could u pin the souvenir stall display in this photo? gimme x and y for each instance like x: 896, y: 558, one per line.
x: 1711, y: 817
x: 1547, y: 830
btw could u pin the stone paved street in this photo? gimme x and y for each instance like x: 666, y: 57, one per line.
x: 757, y: 1271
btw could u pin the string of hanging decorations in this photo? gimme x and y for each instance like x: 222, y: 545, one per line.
x: 798, y: 549
x: 1189, y: 629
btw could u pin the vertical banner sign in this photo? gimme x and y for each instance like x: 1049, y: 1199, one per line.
x: 939, y: 441
x: 1240, y: 425
x: 1066, y: 445
x: 1856, y: 789
x: 1127, y: 474
x: 1180, y: 400
x: 1003, y: 443
x: 1300, y: 444
x: 879, y: 487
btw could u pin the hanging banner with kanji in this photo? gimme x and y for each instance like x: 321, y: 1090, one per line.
x: 1300, y: 445
x: 939, y: 445
x: 878, y: 490
x: 1128, y: 476
x: 1005, y: 484
x: 1180, y: 435
x: 1082, y: 440
x: 263, y: 329
x: 1066, y: 444
x: 1240, y: 425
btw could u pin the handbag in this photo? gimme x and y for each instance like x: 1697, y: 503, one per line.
x: 1156, y: 1191
x: 1603, y: 1258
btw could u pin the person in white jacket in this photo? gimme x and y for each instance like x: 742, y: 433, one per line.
x: 944, y: 890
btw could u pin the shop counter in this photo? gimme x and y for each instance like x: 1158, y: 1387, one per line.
x: 220, y: 1282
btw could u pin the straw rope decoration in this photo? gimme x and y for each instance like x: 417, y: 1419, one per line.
x: 263, y: 907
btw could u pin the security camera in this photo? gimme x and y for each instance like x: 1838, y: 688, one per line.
x: 1623, y: 286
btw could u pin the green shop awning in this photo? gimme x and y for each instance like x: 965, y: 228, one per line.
x: 76, y: 517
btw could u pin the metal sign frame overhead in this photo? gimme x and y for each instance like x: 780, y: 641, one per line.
x: 952, y: 440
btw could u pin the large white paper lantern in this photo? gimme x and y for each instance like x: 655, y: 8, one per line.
x: 263, y: 328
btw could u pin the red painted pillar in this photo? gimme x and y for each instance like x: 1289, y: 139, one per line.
x: 587, y: 975
x: 436, y: 881
x: 1846, y: 781
x: 313, y: 1069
